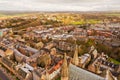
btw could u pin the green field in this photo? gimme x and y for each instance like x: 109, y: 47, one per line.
x: 113, y: 14
x: 90, y: 21
x: 2, y: 15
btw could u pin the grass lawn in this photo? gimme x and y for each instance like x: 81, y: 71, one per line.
x: 114, y: 61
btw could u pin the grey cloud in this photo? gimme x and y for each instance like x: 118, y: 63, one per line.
x: 60, y: 5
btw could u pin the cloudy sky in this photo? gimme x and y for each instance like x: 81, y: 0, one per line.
x: 60, y: 5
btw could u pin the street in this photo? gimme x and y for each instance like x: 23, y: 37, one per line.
x: 3, y: 76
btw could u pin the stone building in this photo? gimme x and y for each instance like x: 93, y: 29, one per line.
x: 64, y: 69
x: 84, y: 60
x: 25, y: 71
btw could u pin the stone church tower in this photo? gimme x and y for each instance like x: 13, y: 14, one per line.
x: 64, y: 69
x: 75, y: 59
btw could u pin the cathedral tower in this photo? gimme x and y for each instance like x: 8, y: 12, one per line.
x: 75, y: 60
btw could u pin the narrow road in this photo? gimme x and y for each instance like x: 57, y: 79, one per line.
x: 3, y: 76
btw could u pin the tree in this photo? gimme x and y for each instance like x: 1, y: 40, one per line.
x: 44, y: 60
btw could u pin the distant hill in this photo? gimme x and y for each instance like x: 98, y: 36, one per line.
x: 16, y: 12
x: 23, y: 12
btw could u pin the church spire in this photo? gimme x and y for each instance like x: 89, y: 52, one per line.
x: 75, y: 60
x: 47, y: 75
x: 109, y: 75
x: 64, y: 69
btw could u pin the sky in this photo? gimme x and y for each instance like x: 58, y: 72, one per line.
x: 60, y: 5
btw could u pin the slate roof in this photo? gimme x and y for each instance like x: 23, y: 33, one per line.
x: 76, y: 73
